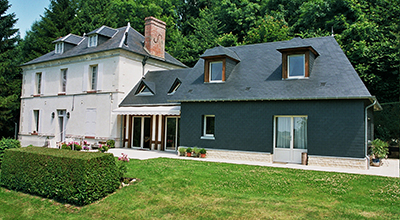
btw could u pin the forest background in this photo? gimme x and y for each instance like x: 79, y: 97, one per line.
x: 368, y: 31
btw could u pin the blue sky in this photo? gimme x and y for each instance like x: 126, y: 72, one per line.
x: 27, y: 11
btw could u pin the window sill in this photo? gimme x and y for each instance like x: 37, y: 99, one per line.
x: 92, y: 91
x: 295, y: 78
x: 207, y: 137
x: 36, y: 95
x: 216, y: 82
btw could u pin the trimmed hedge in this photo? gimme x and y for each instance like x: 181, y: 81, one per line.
x: 7, y: 143
x: 73, y: 177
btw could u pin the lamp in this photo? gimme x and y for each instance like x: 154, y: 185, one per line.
x: 68, y: 114
x: 52, y: 115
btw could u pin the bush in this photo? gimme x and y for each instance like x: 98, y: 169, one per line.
x: 188, y: 150
x: 111, y: 143
x: 78, y: 147
x: 380, y: 149
x: 73, y: 177
x: 7, y: 143
x: 103, y: 148
x: 203, y: 151
x: 66, y: 147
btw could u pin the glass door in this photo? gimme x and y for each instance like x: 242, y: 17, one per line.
x: 172, y: 133
x: 141, y: 132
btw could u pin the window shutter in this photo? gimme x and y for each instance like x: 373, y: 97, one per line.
x: 85, y: 78
x: 100, y: 77
x: 33, y: 84
x: 42, y: 83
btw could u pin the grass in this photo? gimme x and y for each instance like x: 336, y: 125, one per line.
x: 185, y: 189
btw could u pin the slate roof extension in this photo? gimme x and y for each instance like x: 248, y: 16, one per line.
x: 159, y: 81
x: 258, y: 75
x: 135, y: 44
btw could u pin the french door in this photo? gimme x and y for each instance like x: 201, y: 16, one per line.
x: 290, y: 138
x: 172, y: 133
x: 141, y: 132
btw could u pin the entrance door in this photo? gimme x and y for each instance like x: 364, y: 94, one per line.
x: 61, y: 124
x: 141, y: 132
x: 172, y: 133
x: 290, y: 138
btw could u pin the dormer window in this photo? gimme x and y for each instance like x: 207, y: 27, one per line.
x: 296, y: 66
x: 59, y: 48
x: 297, y: 62
x: 92, y: 41
x: 174, y: 87
x: 143, y: 90
x: 214, y: 71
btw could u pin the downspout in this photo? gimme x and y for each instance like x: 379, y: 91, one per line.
x: 143, y: 64
x: 366, y: 132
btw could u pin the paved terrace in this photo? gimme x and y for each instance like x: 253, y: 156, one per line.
x: 389, y: 168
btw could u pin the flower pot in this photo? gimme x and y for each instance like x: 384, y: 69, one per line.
x: 203, y: 155
x: 376, y: 162
x: 188, y: 154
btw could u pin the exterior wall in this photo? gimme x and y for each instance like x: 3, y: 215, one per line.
x: 335, y: 127
x: 118, y: 72
x: 353, y: 163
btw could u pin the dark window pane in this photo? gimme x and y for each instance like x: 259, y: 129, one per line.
x: 296, y: 65
x: 210, y: 125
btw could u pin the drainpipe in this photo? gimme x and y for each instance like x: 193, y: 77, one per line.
x: 366, y: 131
x: 143, y: 64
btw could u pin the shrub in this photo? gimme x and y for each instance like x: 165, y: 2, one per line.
x: 78, y: 147
x: 65, y: 147
x: 111, y: 143
x: 182, y: 151
x: 7, y: 143
x: 188, y: 150
x: 103, y: 148
x: 73, y: 177
x: 203, y: 151
x: 379, y: 148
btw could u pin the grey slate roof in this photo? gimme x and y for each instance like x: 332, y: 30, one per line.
x: 220, y: 51
x: 135, y: 45
x: 161, y: 82
x: 105, y: 31
x: 258, y: 76
x: 70, y: 38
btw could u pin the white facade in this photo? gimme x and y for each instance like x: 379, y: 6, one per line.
x: 84, y: 110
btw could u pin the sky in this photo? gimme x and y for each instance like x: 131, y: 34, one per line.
x: 27, y: 11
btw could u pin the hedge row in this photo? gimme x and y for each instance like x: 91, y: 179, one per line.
x: 7, y: 143
x: 67, y: 176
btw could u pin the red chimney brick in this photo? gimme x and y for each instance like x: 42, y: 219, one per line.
x: 154, y: 34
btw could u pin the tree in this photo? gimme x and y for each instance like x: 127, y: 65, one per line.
x: 10, y: 77
x: 268, y: 29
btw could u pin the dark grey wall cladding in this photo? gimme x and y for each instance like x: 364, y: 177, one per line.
x: 335, y: 127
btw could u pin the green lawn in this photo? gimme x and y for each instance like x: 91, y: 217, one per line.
x: 186, y: 189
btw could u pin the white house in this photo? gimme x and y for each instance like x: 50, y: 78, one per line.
x: 70, y: 93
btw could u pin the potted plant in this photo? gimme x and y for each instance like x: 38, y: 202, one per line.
x: 182, y: 151
x: 188, y: 152
x: 196, y: 152
x: 203, y: 153
x: 379, y: 149
x: 103, y: 148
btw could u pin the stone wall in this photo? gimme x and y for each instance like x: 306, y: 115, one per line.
x: 240, y: 155
x: 341, y: 162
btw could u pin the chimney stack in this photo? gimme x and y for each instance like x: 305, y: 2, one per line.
x: 154, y: 34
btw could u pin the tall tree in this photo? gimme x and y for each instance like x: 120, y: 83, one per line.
x: 10, y: 77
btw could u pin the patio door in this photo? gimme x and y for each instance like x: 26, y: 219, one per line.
x: 172, y: 133
x: 61, y: 124
x: 290, y: 138
x: 141, y: 132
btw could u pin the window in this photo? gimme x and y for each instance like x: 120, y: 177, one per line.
x: 291, y: 132
x: 215, y: 71
x: 143, y: 90
x: 35, y: 121
x: 296, y: 66
x: 174, y: 87
x: 208, y: 127
x: 63, y: 81
x: 59, y: 48
x: 92, y: 41
x: 93, y: 78
x: 38, y: 83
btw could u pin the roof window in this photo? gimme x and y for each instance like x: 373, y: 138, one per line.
x: 92, y: 41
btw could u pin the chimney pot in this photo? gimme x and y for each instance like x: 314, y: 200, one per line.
x: 154, y: 34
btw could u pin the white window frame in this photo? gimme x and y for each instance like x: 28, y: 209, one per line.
x: 59, y: 48
x: 63, y: 80
x: 38, y: 82
x: 205, y: 135
x: 210, y: 72
x: 36, y: 120
x: 92, y: 41
x: 304, y: 65
x: 93, y: 77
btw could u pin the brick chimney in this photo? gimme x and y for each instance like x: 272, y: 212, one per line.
x: 154, y: 36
